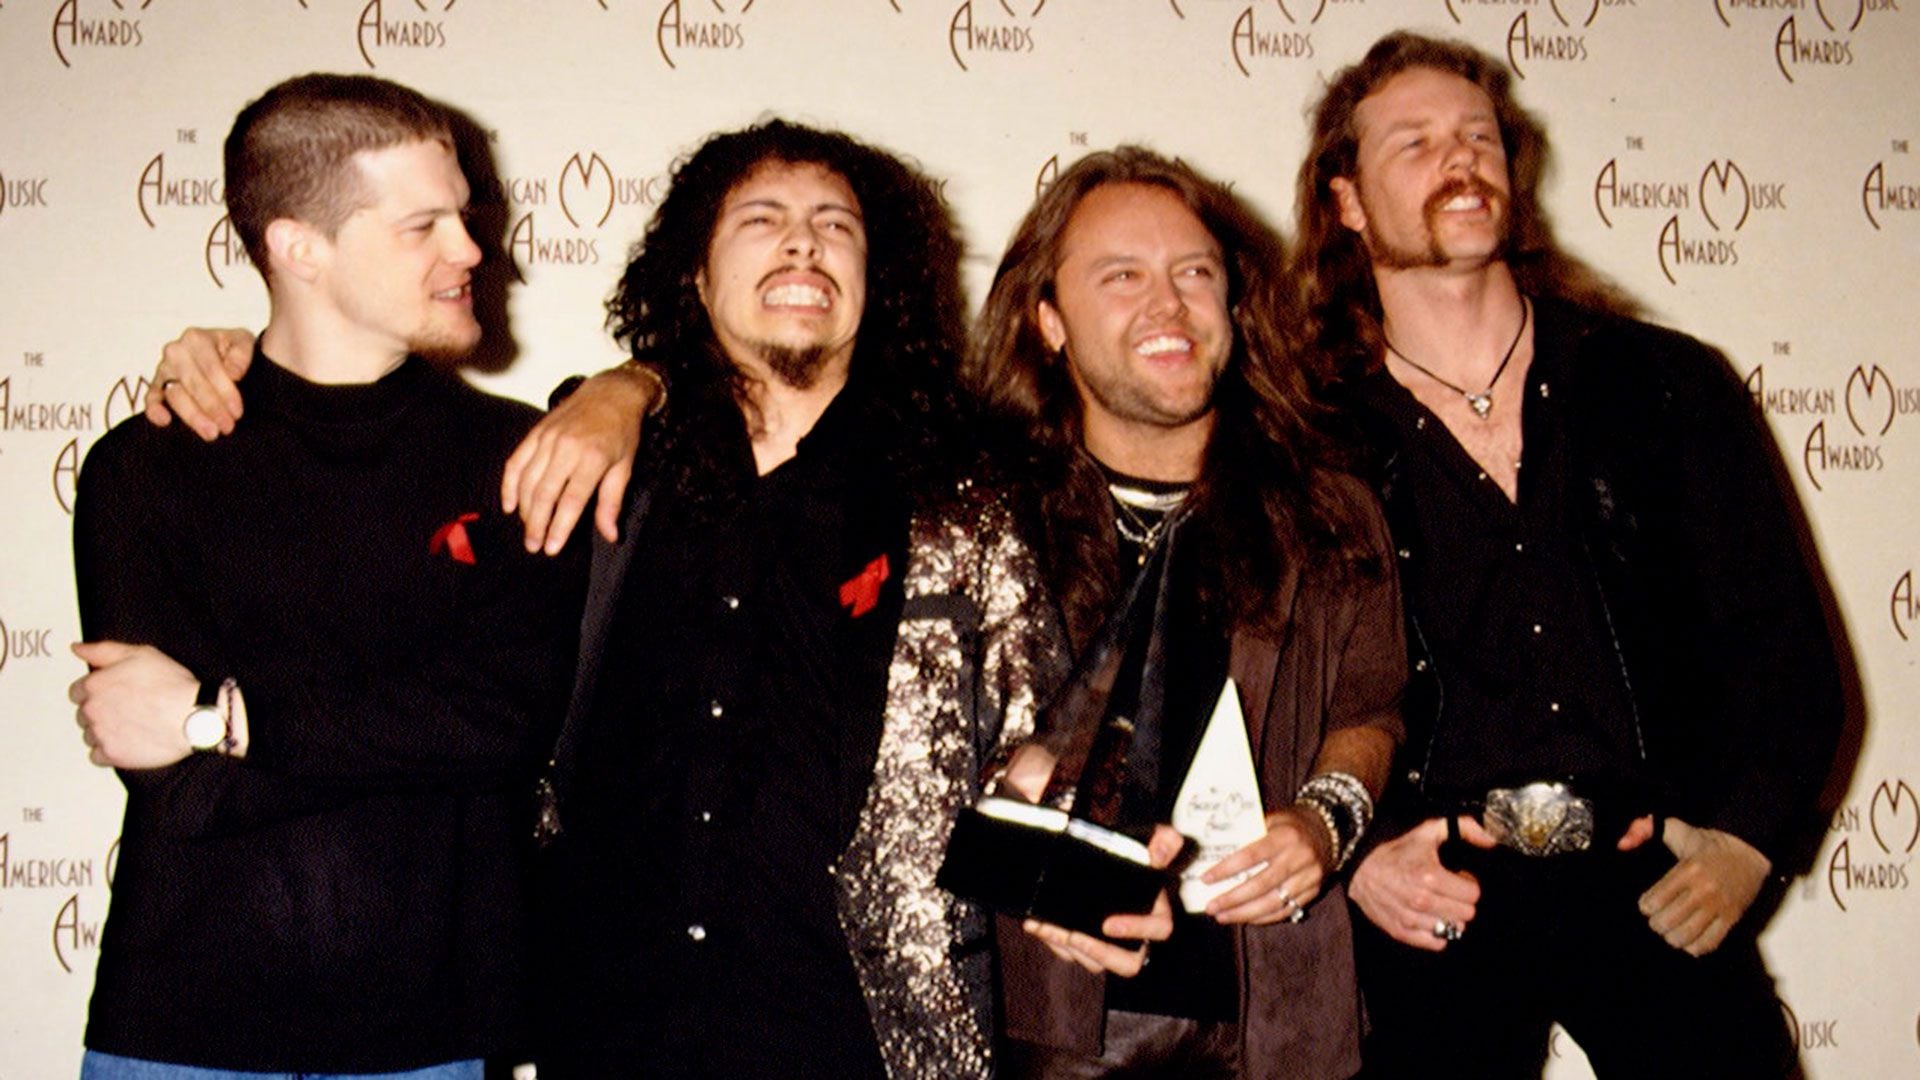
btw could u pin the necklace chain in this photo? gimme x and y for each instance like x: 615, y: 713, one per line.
x: 1482, y: 402
x: 1133, y: 504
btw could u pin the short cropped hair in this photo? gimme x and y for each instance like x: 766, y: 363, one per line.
x: 289, y: 153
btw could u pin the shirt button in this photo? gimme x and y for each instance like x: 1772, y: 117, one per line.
x: 1482, y: 476
x: 696, y: 933
x: 1554, y: 706
x: 732, y: 602
x: 1536, y: 628
x: 1519, y: 547
x: 716, y: 710
x: 1404, y: 553
x: 1420, y: 423
x: 1419, y: 665
x: 704, y: 817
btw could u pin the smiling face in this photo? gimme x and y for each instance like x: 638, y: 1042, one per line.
x: 398, y: 271
x: 786, y: 273
x: 1140, y: 305
x: 1432, y: 187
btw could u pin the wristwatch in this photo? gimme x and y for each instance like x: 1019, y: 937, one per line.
x: 204, y: 727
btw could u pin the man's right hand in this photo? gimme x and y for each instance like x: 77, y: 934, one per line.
x: 1405, y: 890
x: 195, y: 381
x: 584, y: 447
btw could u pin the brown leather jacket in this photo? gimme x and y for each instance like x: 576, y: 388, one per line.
x: 1341, y: 661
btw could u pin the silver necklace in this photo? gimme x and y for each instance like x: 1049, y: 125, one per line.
x: 1133, y: 504
x: 1482, y: 402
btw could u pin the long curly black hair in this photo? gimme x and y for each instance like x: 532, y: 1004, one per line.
x: 912, y: 332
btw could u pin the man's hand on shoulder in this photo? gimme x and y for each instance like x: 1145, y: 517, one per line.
x: 583, y: 447
x: 195, y: 381
x: 1694, y: 905
x: 132, y: 705
x: 1404, y: 889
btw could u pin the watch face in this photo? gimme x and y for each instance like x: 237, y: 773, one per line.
x: 204, y: 728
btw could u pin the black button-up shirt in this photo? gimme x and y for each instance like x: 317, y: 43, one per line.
x: 1503, y: 597
x: 734, y: 737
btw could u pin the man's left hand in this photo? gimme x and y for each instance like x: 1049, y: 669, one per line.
x: 1695, y: 904
x: 1296, y: 851
x: 132, y: 705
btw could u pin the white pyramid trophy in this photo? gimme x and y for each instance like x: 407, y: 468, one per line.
x: 1219, y: 805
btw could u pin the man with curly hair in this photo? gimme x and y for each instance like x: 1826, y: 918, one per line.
x: 811, y: 631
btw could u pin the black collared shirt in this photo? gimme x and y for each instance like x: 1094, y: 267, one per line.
x: 732, y: 743
x: 1502, y: 597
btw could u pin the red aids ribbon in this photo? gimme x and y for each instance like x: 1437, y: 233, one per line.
x: 862, y: 590
x: 453, y: 538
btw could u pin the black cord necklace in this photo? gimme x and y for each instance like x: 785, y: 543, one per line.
x: 1482, y: 402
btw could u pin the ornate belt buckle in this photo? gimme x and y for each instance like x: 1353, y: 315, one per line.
x: 1542, y: 818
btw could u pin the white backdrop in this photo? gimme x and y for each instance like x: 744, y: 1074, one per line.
x: 1744, y: 166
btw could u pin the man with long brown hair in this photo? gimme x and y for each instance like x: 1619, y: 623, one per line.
x: 1624, y: 635
x: 1133, y: 339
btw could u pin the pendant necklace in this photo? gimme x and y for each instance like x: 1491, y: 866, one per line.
x: 1482, y: 402
x: 1135, y: 506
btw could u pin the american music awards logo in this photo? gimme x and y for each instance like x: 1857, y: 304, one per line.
x: 1815, y: 35
x: 983, y: 28
x: 1707, y: 213
x: 1903, y: 607
x: 1852, y: 417
x: 386, y: 25
x: 1810, y: 1034
x: 22, y: 414
x: 688, y: 26
x: 1888, y: 192
x: 560, y: 220
x: 1888, y: 829
x: 21, y: 193
x: 79, y: 420
x: 75, y: 924
x: 1545, y: 32
x: 97, y: 24
x: 1279, y: 31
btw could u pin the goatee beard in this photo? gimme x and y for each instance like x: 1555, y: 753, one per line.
x: 797, y: 367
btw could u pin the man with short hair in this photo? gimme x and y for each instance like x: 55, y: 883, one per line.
x: 1134, y: 335
x: 1622, y: 635
x: 325, y: 669
x: 812, y: 631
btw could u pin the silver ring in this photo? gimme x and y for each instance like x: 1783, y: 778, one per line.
x: 1447, y: 930
x: 165, y: 384
x: 1299, y: 914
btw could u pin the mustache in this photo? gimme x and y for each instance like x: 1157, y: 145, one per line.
x: 1462, y: 185
x: 832, y: 282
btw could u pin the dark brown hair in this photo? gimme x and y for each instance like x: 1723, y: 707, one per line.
x: 289, y: 153
x: 1330, y: 262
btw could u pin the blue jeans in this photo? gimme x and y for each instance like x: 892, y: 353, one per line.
x: 99, y: 1066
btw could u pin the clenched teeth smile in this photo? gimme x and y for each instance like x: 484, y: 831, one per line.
x: 796, y: 296
x: 1161, y: 344
x: 458, y: 292
x: 1464, y: 202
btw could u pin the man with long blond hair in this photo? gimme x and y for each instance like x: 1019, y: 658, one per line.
x: 1625, y: 698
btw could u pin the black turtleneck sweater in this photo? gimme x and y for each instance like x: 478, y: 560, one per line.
x: 349, y: 897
